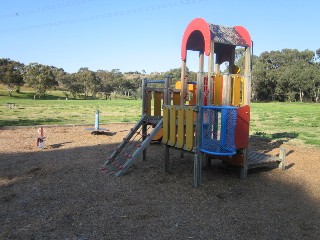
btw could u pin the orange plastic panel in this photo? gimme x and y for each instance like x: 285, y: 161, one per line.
x: 241, y: 136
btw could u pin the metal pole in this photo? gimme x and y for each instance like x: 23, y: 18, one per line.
x: 198, y: 155
x: 144, y: 107
x: 96, y: 123
x: 144, y: 96
x: 244, y: 168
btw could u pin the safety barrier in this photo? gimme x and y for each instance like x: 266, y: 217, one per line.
x: 218, y: 127
x: 178, y: 126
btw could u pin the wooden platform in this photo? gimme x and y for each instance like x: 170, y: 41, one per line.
x: 257, y: 159
x: 251, y: 159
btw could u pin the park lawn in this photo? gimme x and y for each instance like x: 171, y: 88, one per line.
x: 61, y: 112
x: 297, y: 122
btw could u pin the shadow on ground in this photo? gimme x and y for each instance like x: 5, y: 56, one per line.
x: 60, y: 194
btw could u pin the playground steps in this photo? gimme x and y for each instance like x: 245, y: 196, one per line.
x: 257, y: 159
x: 133, y: 145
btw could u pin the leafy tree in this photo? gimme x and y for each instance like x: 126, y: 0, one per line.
x: 89, y: 81
x: 318, y: 53
x: 175, y: 75
x: 117, y: 79
x: 107, y: 82
x: 287, y: 75
x: 59, y: 74
x: 11, y: 74
x: 264, y: 79
x: 40, y: 77
x: 71, y: 85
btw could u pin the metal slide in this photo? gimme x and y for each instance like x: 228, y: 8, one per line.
x: 131, y: 147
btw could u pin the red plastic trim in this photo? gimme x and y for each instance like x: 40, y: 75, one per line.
x: 197, y: 24
x: 244, y: 34
x: 241, y: 136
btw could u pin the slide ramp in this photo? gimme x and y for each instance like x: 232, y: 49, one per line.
x: 132, y: 147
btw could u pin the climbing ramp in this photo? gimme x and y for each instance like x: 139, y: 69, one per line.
x: 257, y: 159
x: 133, y: 145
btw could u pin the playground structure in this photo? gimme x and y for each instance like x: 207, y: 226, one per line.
x: 210, y: 117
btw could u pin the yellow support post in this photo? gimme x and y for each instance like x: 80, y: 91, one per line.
x: 180, y: 140
x: 165, y: 137
x: 236, y: 90
x: 173, y: 128
x: 189, y: 128
x: 157, y: 103
x: 218, y: 82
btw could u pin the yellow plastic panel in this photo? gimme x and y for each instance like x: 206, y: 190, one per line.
x: 178, y: 84
x: 148, y: 106
x: 157, y: 103
x: 192, y: 87
x: 189, y: 128
x: 173, y: 128
x: 218, y: 82
x: 236, y: 91
x: 176, y: 98
x: 165, y: 137
x: 180, y: 141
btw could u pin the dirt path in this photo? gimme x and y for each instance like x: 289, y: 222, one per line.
x: 60, y: 193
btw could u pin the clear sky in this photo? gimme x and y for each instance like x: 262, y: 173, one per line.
x: 143, y: 34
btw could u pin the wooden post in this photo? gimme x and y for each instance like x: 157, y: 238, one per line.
x: 282, y: 156
x: 183, y: 83
x: 231, y: 62
x: 210, y: 86
x: 226, y: 90
x: 247, y: 77
x: 217, y: 65
x: 247, y: 99
x: 166, y: 101
x: 201, y: 61
x: 210, y: 74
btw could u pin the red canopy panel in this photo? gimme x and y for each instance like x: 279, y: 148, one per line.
x: 199, y: 34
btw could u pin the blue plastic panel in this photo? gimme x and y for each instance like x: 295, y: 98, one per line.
x: 218, y: 126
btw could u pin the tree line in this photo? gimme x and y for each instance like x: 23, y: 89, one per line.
x: 286, y: 75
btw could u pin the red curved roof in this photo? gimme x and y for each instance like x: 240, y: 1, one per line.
x: 199, y: 34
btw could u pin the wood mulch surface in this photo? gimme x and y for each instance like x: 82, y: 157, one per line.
x: 60, y: 192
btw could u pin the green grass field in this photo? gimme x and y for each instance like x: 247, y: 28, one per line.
x: 297, y: 122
